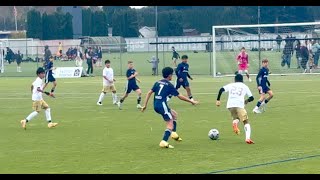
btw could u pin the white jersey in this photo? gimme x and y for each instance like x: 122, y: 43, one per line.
x: 108, y: 72
x: 237, y: 92
x: 36, y: 95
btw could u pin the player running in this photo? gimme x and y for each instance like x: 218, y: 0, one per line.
x: 38, y: 102
x: 263, y: 87
x: 162, y: 89
x: 131, y: 85
x: 108, y: 84
x: 236, y: 103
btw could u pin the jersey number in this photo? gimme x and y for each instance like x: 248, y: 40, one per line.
x: 236, y: 91
x: 161, y: 86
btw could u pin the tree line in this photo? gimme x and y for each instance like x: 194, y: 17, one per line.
x: 171, y: 19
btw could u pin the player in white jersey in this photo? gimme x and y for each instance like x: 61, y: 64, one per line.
x: 38, y: 102
x: 108, y: 84
x: 237, y: 92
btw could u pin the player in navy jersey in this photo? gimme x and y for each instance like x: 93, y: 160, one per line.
x: 49, y: 76
x: 162, y: 89
x: 182, y: 72
x: 263, y: 87
x: 131, y: 85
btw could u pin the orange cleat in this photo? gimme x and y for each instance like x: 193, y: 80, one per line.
x: 249, y: 141
x: 235, y: 128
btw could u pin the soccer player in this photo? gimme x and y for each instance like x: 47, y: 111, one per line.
x: 49, y: 77
x: 236, y: 102
x: 182, y: 72
x: 243, y: 63
x: 162, y: 89
x: 131, y: 85
x: 263, y: 87
x: 38, y: 102
x: 175, y: 57
x: 108, y: 84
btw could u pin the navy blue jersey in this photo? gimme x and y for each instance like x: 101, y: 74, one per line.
x: 48, y: 67
x: 262, y: 77
x: 129, y: 73
x: 182, y: 71
x: 175, y: 55
x: 162, y: 89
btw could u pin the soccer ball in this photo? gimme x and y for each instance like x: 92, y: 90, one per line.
x: 213, y: 134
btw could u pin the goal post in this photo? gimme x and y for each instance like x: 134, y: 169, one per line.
x: 227, y: 41
x: 1, y: 58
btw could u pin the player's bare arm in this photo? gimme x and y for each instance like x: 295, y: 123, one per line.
x: 147, y: 100
x: 182, y: 97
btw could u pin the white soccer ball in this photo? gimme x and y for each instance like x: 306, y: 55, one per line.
x: 213, y: 134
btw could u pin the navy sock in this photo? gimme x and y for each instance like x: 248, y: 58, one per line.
x: 166, y: 135
x: 174, y: 126
x: 190, y: 97
x: 52, y: 90
x: 139, y: 100
x: 121, y: 100
x: 258, y: 104
x: 266, y: 101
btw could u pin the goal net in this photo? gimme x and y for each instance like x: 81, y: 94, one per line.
x: 279, y: 43
x: 2, y: 54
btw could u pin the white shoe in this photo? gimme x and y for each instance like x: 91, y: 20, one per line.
x: 256, y: 111
x: 250, y: 80
x: 139, y: 106
x: 99, y: 103
x: 115, y: 103
x: 119, y: 105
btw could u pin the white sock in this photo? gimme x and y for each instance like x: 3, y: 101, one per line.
x: 48, y: 114
x: 114, y: 97
x: 235, y: 121
x: 101, y: 97
x: 247, y: 129
x: 32, y: 115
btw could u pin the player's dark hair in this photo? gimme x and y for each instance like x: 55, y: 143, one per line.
x: 166, y: 72
x: 243, y: 48
x: 184, y: 57
x: 40, y: 70
x: 107, y: 61
x: 129, y: 62
x: 238, y: 78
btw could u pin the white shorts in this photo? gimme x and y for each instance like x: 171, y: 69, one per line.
x: 243, y: 71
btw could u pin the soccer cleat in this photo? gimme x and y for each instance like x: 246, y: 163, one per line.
x: 235, y: 128
x: 139, y: 106
x: 99, y: 103
x: 119, y: 105
x: 250, y: 80
x: 256, y: 111
x: 164, y: 144
x: 52, y: 125
x: 176, y: 137
x: 114, y: 103
x: 249, y: 141
x: 24, y: 124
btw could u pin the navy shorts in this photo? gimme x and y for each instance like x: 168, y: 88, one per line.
x: 49, y: 78
x: 264, y: 90
x: 164, y: 111
x: 131, y: 87
x: 184, y: 84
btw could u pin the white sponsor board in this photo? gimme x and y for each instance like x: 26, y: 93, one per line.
x: 67, y: 72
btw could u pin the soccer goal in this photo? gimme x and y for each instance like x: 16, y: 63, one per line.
x: 263, y: 41
x: 1, y: 58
